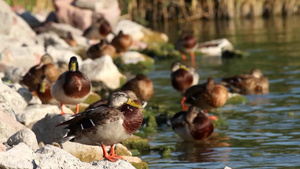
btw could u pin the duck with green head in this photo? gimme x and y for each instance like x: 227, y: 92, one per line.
x: 72, y: 87
x: 106, y: 124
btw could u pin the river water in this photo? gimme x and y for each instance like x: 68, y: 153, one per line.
x: 262, y: 133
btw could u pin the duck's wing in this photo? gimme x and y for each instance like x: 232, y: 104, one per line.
x: 89, y: 119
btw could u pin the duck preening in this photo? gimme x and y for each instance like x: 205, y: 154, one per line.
x: 253, y: 83
x: 192, y: 125
x: 106, y: 124
x: 72, y: 86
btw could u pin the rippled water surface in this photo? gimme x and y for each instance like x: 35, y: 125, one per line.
x: 263, y: 133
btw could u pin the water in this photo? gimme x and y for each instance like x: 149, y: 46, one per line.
x: 264, y: 133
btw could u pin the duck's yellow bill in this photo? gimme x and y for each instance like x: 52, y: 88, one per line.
x: 73, y: 66
x: 184, y: 67
x: 132, y: 103
x: 43, y: 87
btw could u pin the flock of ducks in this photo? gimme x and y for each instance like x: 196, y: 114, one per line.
x: 110, y: 121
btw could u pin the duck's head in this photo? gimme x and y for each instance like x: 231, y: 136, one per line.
x: 46, y: 59
x: 177, y: 65
x: 73, y: 64
x: 256, y: 73
x: 43, y: 84
x: 119, y: 98
x: 104, y: 28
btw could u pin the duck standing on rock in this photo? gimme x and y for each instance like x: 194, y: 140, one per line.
x: 46, y: 67
x: 107, y: 124
x: 187, y: 44
x: 122, y: 42
x: 141, y: 85
x: 253, y: 83
x: 206, y: 96
x: 99, y: 29
x: 183, y: 77
x: 192, y: 125
x: 72, y: 87
x: 100, y: 49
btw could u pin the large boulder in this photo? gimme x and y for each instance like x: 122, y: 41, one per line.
x: 37, y: 112
x: 46, y: 130
x: 8, y: 126
x: 12, y: 98
x: 20, y: 156
x: 102, y: 70
x: 26, y: 136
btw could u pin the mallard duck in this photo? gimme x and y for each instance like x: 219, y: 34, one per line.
x: 70, y: 39
x: 253, y: 83
x: 100, y: 49
x: 106, y: 124
x: 122, y: 42
x: 141, y: 85
x: 206, y: 96
x: 43, y: 91
x: 72, y: 87
x: 99, y: 29
x: 32, y: 78
x: 183, y: 77
x: 192, y: 125
x: 186, y: 44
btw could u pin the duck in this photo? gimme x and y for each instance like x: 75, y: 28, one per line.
x: 186, y: 44
x: 253, y: 83
x: 106, y: 124
x: 141, y: 85
x: 70, y: 39
x: 46, y: 67
x: 99, y: 29
x: 122, y: 42
x: 192, y: 125
x: 43, y: 91
x: 183, y: 77
x: 72, y: 86
x: 100, y: 49
x: 206, y: 96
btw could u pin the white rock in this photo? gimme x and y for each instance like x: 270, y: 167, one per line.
x: 120, y: 164
x: 102, y: 70
x: 46, y: 130
x: 8, y: 126
x: 26, y: 136
x: 20, y: 156
x: 37, y: 112
x: 63, y: 54
x: 132, y: 57
x: 5, y: 108
x: 51, y: 39
x: 13, y: 73
x: 53, y: 157
x: 2, y: 147
x: 12, y: 98
x: 13, y: 25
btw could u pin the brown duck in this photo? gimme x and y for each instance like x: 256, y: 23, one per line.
x: 192, y: 125
x: 99, y: 29
x: 253, y: 83
x: 141, y: 85
x: 122, y: 42
x: 206, y: 96
x: 107, y: 124
x: 32, y: 78
x: 43, y: 91
x: 72, y: 87
x: 70, y: 39
x: 100, y: 49
x: 186, y: 44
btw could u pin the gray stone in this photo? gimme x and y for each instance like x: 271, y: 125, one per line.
x: 46, y: 130
x: 13, y: 74
x: 8, y: 126
x: 5, y: 108
x: 53, y: 157
x: 26, y: 136
x: 120, y: 164
x: 37, y: 112
x: 102, y: 70
x: 31, y: 20
x: 18, y: 157
x: 12, y: 98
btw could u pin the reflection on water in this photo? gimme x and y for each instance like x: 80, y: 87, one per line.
x: 262, y: 133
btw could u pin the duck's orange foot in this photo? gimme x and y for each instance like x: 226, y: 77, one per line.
x: 213, y: 118
x: 184, y: 107
x: 113, y: 157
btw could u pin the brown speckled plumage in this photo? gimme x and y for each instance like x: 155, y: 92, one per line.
x: 122, y: 42
x: 141, y: 85
x: 76, y: 84
x: 207, y: 95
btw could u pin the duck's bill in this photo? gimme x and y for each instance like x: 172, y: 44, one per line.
x: 132, y: 103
